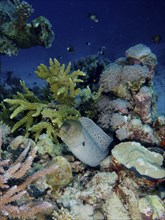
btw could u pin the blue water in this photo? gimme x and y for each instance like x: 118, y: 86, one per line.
x: 122, y: 24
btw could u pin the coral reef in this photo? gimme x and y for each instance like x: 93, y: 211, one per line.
x: 127, y: 106
x: 42, y: 180
x: 132, y: 78
x: 142, y: 55
x: 86, y: 140
x: 15, y: 30
x: 63, y: 214
x: 47, y: 146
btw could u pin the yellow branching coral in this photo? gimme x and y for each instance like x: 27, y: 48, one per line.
x: 27, y: 104
x: 47, y: 117
x: 63, y: 84
x: 54, y: 118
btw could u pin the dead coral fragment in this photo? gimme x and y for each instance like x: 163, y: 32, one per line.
x: 134, y: 155
x: 62, y: 83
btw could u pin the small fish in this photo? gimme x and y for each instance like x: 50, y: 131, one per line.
x: 88, y: 43
x: 156, y: 39
x: 70, y: 49
x: 101, y: 51
x: 93, y: 17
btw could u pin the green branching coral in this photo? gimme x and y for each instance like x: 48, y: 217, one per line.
x: 63, y: 84
x: 47, y: 117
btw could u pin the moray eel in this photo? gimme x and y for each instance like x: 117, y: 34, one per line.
x: 88, y: 142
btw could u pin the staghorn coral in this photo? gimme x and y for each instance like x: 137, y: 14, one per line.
x: 13, y: 185
x: 27, y: 103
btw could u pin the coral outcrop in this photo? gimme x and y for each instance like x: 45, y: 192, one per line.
x: 142, y: 55
x: 16, y: 32
x: 127, y: 106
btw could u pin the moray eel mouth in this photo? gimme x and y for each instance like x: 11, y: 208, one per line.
x: 70, y: 129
